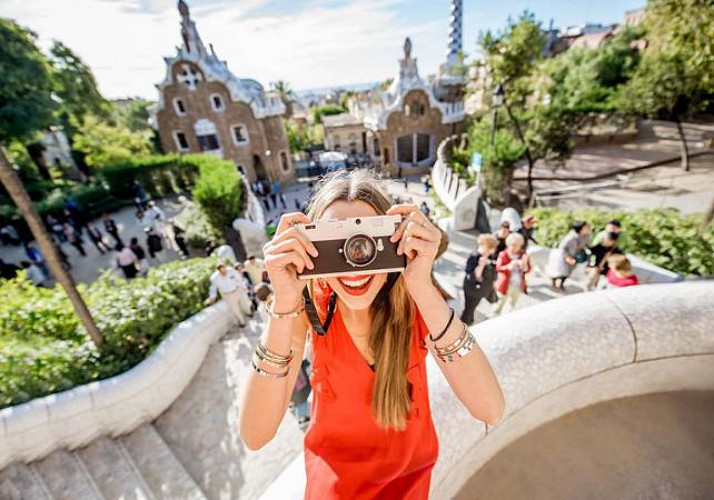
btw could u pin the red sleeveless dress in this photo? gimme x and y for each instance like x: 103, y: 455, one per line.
x: 347, y: 455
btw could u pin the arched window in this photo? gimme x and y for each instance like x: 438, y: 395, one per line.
x: 179, y: 107
x: 284, y: 161
x: 239, y: 133
x: 217, y: 102
x: 207, y: 135
x: 181, y: 141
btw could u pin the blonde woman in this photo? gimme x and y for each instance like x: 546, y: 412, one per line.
x: 371, y: 434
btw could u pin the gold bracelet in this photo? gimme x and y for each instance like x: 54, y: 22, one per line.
x: 459, y: 348
x: 274, y: 356
x: 266, y: 374
x: 294, y: 314
x: 277, y: 363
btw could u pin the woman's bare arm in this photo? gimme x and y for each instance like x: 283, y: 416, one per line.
x: 265, y: 400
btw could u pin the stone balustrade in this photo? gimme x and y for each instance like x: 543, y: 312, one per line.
x: 113, y: 406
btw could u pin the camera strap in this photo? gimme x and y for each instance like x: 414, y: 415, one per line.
x: 311, y: 310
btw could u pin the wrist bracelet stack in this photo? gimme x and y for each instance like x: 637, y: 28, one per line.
x: 293, y: 314
x: 273, y: 359
x: 458, y: 348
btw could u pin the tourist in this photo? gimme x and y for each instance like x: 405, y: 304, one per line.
x: 9, y: 235
x: 425, y: 208
x: 210, y: 246
x: 111, y: 228
x: 282, y: 201
x: 231, y: 287
x: 256, y: 269
x: 180, y: 240
x: 599, y: 254
x: 501, y: 234
x: 153, y: 243
x: 142, y: 265
x: 56, y: 228
x: 8, y: 271
x: 250, y: 286
x: 620, y: 273
x: 74, y: 239
x: 35, y: 256
x: 125, y: 259
x: 96, y: 237
x: 613, y: 226
x: 140, y: 198
x: 427, y: 184
x: 570, y: 251
x: 34, y: 273
x: 274, y: 198
x: 369, y: 369
x: 527, y: 229
x: 480, y: 275
x: 266, y: 203
x: 512, y: 266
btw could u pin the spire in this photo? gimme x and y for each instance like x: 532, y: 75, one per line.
x: 455, y: 45
x: 192, y: 43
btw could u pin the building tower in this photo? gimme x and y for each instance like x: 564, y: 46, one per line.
x: 455, y: 45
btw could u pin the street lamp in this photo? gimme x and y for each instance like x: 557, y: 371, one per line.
x: 496, y: 102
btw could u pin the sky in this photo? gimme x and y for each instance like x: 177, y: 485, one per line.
x: 308, y: 43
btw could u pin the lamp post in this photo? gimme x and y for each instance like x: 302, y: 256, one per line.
x: 496, y: 102
x: 269, y: 156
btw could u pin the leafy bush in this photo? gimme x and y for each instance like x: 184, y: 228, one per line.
x: 219, y: 190
x: 662, y: 237
x: 158, y: 174
x: 44, y: 349
x: 197, y: 226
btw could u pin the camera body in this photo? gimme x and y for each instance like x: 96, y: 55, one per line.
x: 354, y: 246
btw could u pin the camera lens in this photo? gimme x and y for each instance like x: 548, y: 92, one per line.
x: 360, y: 250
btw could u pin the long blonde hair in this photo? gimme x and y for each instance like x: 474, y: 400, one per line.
x: 392, y: 318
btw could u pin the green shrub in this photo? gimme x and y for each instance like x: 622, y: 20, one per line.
x: 44, y: 349
x: 460, y: 162
x: 160, y: 175
x: 662, y: 237
x: 197, y: 226
x: 219, y: 190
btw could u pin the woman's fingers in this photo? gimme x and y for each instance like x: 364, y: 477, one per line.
x: 294, y: 233
x: 288, y: 220
x: 409, y: 213
x: 293, y: 245
x: 416, y: 246
x: 282, y: 261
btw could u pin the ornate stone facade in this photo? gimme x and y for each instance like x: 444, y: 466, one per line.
x: 203, y: 107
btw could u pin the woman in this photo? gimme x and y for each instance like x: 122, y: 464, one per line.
x: 480, y: 275
x: 570, y: 251
x: 371, y: 434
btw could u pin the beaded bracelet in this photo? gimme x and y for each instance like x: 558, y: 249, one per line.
x: 267, y: 374
x: 443, y: 332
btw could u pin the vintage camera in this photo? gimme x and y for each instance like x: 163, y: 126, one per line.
x: 359, y: 245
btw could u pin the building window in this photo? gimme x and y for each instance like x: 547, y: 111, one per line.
x: 179, y: 107
x: 414, y: 149
x: 240, y: 135
x: 207, y: 135
x: 181, y: 141
x: 216, y: 102
x: 284, y: 161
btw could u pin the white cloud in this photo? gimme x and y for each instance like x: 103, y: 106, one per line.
x: 324, y: 44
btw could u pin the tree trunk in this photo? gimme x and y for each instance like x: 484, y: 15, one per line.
x: 708, y: 217
x: 17, y: 192
x: 529, y: 158
x: 34, y: 151
x: 683, y: 144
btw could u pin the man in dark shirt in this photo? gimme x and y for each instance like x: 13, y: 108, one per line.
x: 597, y: 265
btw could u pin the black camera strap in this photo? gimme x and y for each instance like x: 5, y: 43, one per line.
x: 311, y: 310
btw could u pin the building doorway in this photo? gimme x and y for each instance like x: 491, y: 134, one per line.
x: 259, y: 168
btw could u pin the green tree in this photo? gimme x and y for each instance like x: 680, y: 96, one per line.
x: 326, y: 110
x: 74, y: 85
x: 287, y: 95
x: 134, y: 115
x: 218, y: 190
x: 676, y: 77
x: 105, y: 144
x: 25, y: 108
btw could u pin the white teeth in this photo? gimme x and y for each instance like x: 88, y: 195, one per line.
x: 355, y: 284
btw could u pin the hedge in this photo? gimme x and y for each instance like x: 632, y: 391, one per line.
x: 44, y: 349
x: 663, y: 237
x: 218, y: 190
x: 159, y: 175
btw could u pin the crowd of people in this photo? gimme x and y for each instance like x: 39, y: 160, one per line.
x: 497, y: 270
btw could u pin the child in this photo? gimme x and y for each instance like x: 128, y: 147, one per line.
x: 512, y: 265
x: 478, y: 282
x: 620, y: 273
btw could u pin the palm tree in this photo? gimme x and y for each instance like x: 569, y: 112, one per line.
x: 14, y: 187
x: 286, y: 95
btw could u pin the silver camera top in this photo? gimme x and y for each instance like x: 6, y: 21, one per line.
x: 339, y: 229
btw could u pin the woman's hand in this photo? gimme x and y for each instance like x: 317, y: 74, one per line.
x: 419, y: 240
x: 570, y: 260
x: 289, y: 252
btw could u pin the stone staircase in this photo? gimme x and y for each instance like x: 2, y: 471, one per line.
x: 192, y: 451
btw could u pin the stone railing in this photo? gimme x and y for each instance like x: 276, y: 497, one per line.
x: 558, y: 356
x: 565, y: 354
x: 453, y: 191
x: 116, y: 405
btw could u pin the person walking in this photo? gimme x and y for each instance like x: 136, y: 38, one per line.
x: 74, y: 239
x: 570, y: 251
x: 153, y: 243
x: 96, y: 237
x: 512, y: 266
x: 111, y: 228
x: 180, y: 240
x: 142, y: 265
x: 427, y: 184
x: 232, y: 287
x: 599, y: 255
x: 125, y: 259
x: 501, y: 234
x: 527, y: 229
x: 480, y: 275
x: 36, y: 257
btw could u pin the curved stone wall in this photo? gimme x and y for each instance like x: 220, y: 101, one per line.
x: 566, y: 354
x: 116, y: 405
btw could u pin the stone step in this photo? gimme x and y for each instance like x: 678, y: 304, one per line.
x: 113, y: 470
x: 22, y: 482
x: 66, y: 477
x: 160, y: 469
